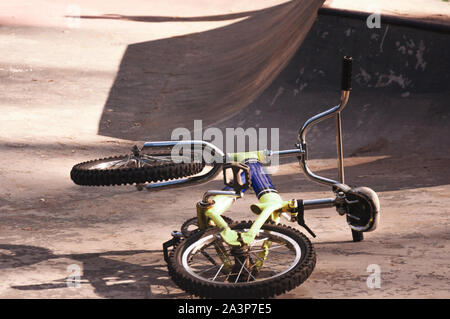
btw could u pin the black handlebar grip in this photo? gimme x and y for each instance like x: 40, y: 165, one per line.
x: 346, y: 80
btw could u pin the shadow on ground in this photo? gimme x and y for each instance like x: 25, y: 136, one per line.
x: 211, y: 75
x: 103, y: 271
x: 383, y: 175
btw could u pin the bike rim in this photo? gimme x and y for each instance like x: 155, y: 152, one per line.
x: 131, y: 161
x: 284, y: 255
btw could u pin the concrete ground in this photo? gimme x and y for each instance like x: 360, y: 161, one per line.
x: 56, y: 76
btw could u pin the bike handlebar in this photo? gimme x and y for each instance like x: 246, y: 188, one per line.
x: 219, y: 157
x: 346, y: 79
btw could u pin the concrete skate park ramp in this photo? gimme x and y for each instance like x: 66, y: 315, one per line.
x: 401, y: 82
x: 210, y: 75
x: 399, y: 103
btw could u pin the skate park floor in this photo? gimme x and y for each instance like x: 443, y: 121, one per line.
x: 56, y: 78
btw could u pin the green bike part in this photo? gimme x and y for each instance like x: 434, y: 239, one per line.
x: 214, y: 215
x: 224, y: 257
x: 221, y: 204
x: 262, y: 256
x: 231, y: 237
x: 214, y: 212
x: 270, y: 206
x: 243, y: 156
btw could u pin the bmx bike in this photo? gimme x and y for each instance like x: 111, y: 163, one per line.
x: 215, y: 257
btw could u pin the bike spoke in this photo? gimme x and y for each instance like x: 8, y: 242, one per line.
x: 240, y: 271
x: 218, y: 272
x: 243, y: 265
x: 207, y: 256
x: 137, y: 162
x: 207, y: 269
x: 271, y: 248
x: 256, y: 241
x: 155, y: 158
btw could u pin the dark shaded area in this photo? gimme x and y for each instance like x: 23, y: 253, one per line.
x: 166, y: 84
x: 373, y: 123
x: 219, y: 17
x: 390, y: 59
x: 399, y: 102
x: 97, y: 270
x: 382, y: 175
x: 421, y: 23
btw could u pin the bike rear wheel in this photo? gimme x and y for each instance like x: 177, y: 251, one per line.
x: 136, y: 168
x: 280, y: 259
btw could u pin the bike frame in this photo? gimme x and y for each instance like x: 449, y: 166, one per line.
x: 215, y: 202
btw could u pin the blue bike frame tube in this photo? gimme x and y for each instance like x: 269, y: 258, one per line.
x: 261, y: 182
x: 269, y: 203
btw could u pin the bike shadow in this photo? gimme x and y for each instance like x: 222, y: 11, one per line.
x: 112, y: 274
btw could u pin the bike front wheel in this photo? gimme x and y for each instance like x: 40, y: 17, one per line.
x: 279, y: 259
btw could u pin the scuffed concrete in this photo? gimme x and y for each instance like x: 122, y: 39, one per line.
x: 55, y: 87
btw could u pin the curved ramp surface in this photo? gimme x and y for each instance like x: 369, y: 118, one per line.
x: 401, y: 88
x: 209, y: 76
